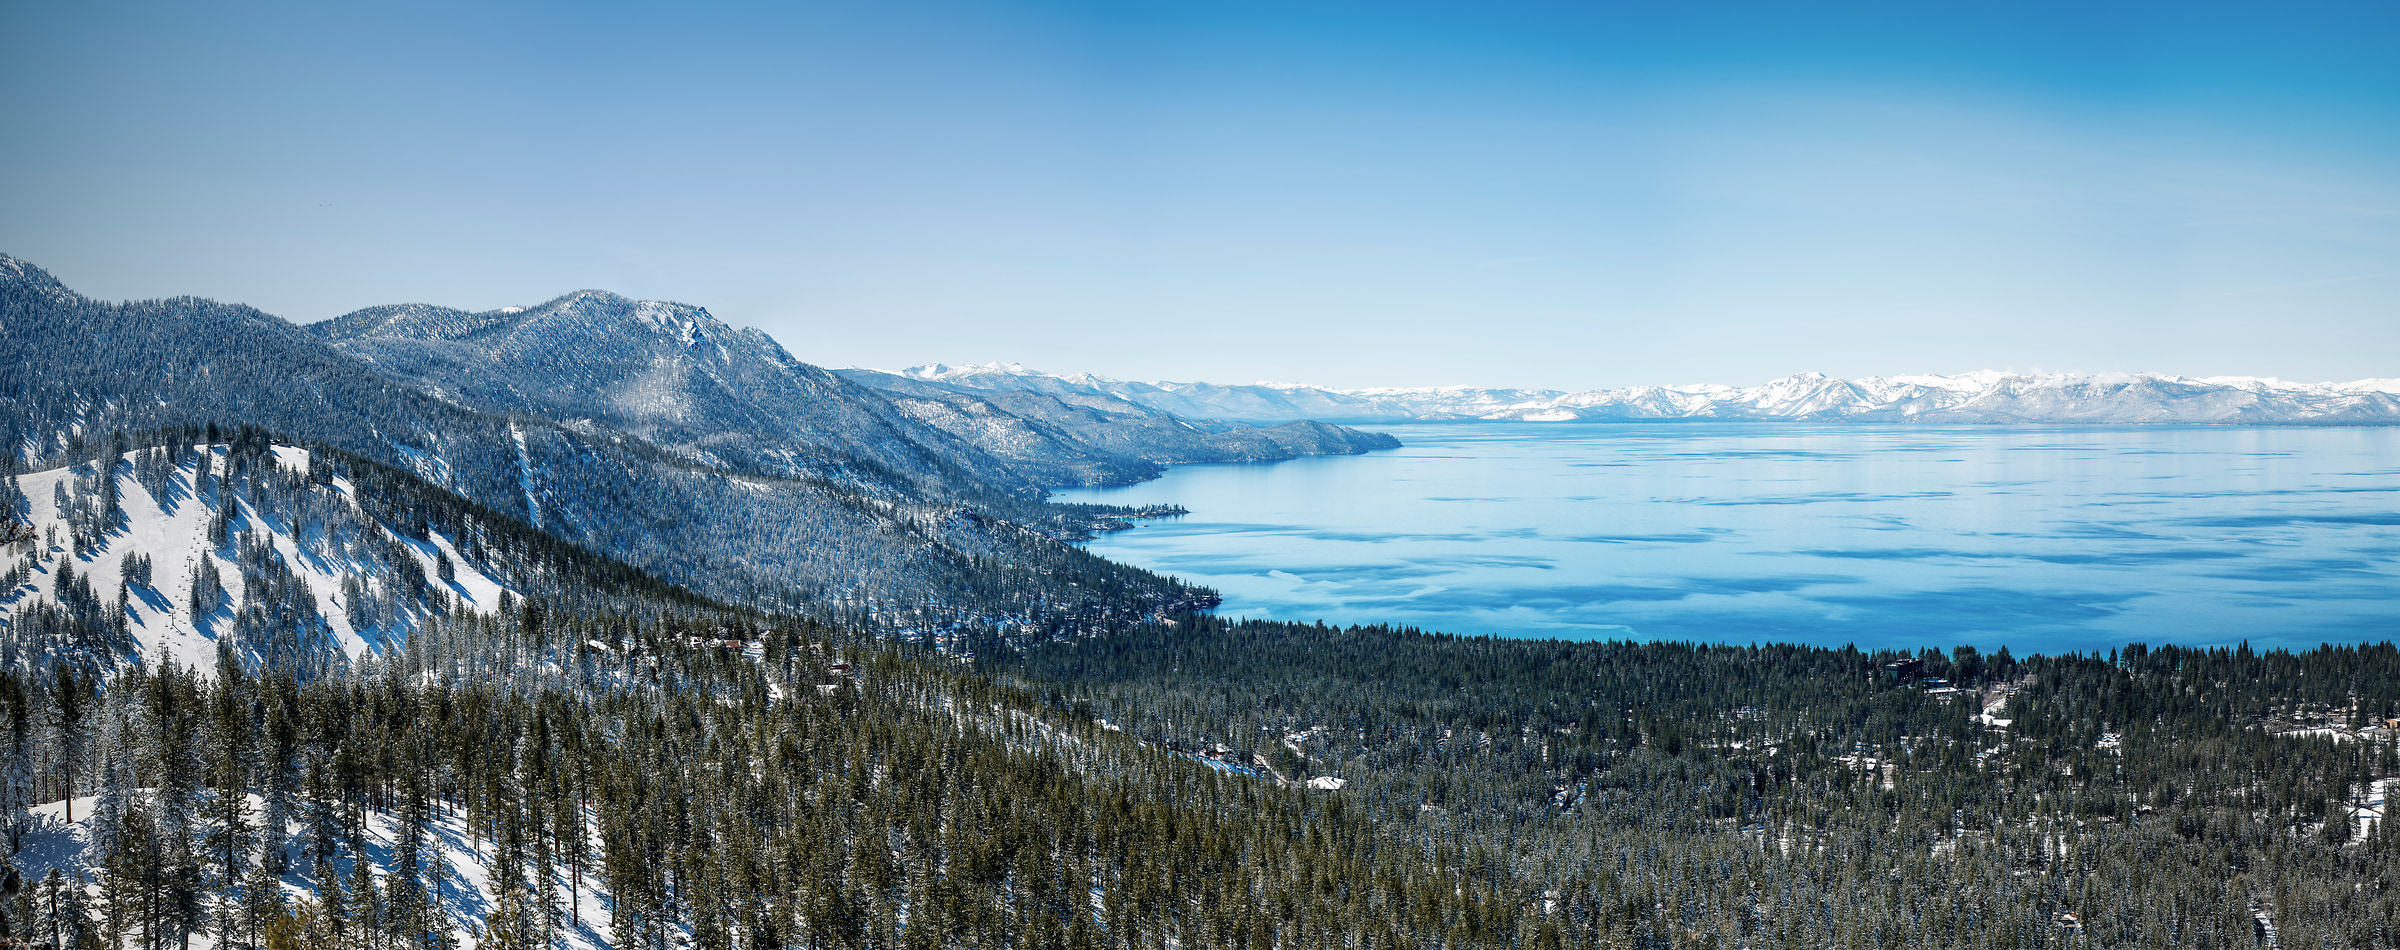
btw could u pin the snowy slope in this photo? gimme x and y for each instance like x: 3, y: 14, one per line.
x: 1987, y: 396
x: 173, y: 532
x: 463, y: 862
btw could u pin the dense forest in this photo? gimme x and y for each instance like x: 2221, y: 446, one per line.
x: 1681, y: 794
x: 740, y: 781
x: 727, y: 783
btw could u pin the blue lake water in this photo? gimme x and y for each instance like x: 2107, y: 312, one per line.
x: 2041, y: 538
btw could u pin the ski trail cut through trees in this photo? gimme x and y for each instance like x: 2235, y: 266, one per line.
x: 533, y: 512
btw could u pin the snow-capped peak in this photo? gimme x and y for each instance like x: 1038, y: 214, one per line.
x: 944, y: 372
x: 1982, y: 396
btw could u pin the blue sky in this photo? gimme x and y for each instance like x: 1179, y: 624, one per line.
x: 1558, y: 195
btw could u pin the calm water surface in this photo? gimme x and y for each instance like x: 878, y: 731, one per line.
x: 2043, y: 539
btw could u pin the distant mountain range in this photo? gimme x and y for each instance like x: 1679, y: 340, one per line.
x: 1987, y: 397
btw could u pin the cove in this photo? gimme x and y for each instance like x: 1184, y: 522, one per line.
x: 2044, y: 539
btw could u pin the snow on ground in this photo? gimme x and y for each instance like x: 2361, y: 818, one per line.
x: 173, y: 532
x: 2367, y: 811
x: 533, y: 507
x: 1995, y: 703
x: 463, y: 863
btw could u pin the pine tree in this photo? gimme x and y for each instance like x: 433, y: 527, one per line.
x: 16, y: 759
x: 368, y: 909
x: 64, y: 920
x: 68, y: 706
x: 233, y: 839
x: 262, y: 905
x: 220, y: 527
x: 514, y: 923
x: 329, y: 914
x: 112, y: 505
x: 208, y: 587
x: 173, y: 869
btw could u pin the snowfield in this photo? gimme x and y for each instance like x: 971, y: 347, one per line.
x: 460, y: 861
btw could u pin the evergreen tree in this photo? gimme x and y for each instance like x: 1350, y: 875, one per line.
x: 68, y: 706
x: 17, y: 704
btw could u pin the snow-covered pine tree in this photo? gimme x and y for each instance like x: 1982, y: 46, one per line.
x: 69, y: 704
x: 208, y: 587
x: 64, y: 920
x: 279, y: 780
x: 232, y: 837
x: 18, y: 704
x: 104, y: 468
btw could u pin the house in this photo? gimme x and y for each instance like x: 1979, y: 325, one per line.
x: 1902, y: 671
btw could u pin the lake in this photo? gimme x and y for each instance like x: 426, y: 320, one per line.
x: 2045, y: 539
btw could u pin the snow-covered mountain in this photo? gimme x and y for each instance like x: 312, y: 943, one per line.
x: 541, y: 415
x: 670, y: 374
x: 1982, y: 397
x: 1112, y: 434
x: 675, y: 376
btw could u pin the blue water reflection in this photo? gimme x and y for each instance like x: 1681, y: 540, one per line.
x: 2040, y: 538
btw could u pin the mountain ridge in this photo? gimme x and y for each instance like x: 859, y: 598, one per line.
x: 671, y: 374
x: 853, y: 536
x: 1981, y: 397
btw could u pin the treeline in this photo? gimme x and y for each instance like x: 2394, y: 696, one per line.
x: 1786, y: 795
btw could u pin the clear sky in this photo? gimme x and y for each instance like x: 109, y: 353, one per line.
x: 1569, y: 195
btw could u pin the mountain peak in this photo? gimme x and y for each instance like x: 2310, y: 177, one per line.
x: 566, y: 316
x: 16, y: 274
x: 944, y: 371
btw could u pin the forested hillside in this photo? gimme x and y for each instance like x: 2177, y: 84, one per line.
x: 1116, y: 440
x: 916, y: 538
x: 672, y: 778
x: 703, y: 777
x: 1674, y: 794
x: 672, y: 376
x: 355, y: 709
